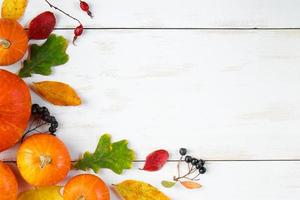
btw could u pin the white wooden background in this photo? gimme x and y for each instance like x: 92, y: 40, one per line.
x: 220, y: 77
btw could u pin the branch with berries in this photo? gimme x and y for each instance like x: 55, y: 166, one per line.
x: 79, y: 29
x: 40, y: 118
x: 195, y: 167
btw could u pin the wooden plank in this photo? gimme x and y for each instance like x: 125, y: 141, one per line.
x: 222, y: 94
x: 229, y: 180
x: 178, y: 13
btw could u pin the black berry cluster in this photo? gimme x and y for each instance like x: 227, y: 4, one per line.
x: 43, y: 113
x: 197, y: 163
x: 195, y: 167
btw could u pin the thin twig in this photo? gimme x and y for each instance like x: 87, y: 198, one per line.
x: 194, y: 178
x: 191, y: 179
x: 178, y: 166
x: 33, y: 129
x: 184, y: 176
x: 56, y: 8
x: 191, y: 170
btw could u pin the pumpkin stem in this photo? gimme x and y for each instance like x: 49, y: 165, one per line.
x: 4, y: 43
x: 81, y: 198
x: 45, y: 160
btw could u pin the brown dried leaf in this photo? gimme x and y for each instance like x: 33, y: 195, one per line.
x: 190, y: 184
x: 57, y: 93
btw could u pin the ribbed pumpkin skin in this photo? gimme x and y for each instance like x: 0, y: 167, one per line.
x: 8, y: 183
x: 15, y: 109
x: 86, y: 186
x: 29, y: 160
x: 12, y: 31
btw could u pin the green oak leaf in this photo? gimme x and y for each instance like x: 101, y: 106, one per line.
x: 42, y: 58
x: 115, y: 156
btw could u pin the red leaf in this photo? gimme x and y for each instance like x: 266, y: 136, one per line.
x: 42, y: 25
x: 156, y: 160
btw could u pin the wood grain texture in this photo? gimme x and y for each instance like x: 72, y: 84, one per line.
x: 222, y: 94
x: 178, y: 13
x: 231, y: 180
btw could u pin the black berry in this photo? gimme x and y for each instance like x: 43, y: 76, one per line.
x: 46, y: 118
x: 35, y: 108
x: 44, y: 109
x: 182, y: 151
x: 199, y: 166
x: 188, y: 159
x: 40, y: 110
x: 54, y: 124
x: 52, y: 119
x: 202, y: 161
x: 45, y: 113
x: 52, y: 129
x: 194, y: 161
x: 202, y: 170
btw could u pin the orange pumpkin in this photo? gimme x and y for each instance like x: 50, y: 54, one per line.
x: 86, y: 186
x: 15, y: 108
x: 8, y: 183
x: 43, y: 160
x: 13, y: 42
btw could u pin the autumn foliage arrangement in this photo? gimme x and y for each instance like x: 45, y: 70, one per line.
x: 43, y: 160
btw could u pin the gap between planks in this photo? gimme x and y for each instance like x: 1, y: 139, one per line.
x: 177, y: 28
x: 254, y: 160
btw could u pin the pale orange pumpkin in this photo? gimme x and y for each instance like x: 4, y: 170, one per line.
x: 15, y: 108
x: 13, y: 42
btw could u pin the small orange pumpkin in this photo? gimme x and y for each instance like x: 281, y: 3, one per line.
x: 15, y: 108
x: 13, y: 42
x: 43, y: 160
x: 86, y: 186
x: 8, y: 183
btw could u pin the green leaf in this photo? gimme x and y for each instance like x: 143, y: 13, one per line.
x: 42, y: 58
x: 168, y: 184
x: 115, y: 156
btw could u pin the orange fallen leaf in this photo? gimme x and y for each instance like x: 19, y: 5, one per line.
x: 190, y: 184
x: 138, y: 190
x: 57, y: 93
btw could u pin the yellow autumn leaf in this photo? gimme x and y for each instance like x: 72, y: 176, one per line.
x: 190, y: 184
x: 44, y: 193
x: 13, y: 9
x: 138, y: 190
x: 57, y: 93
